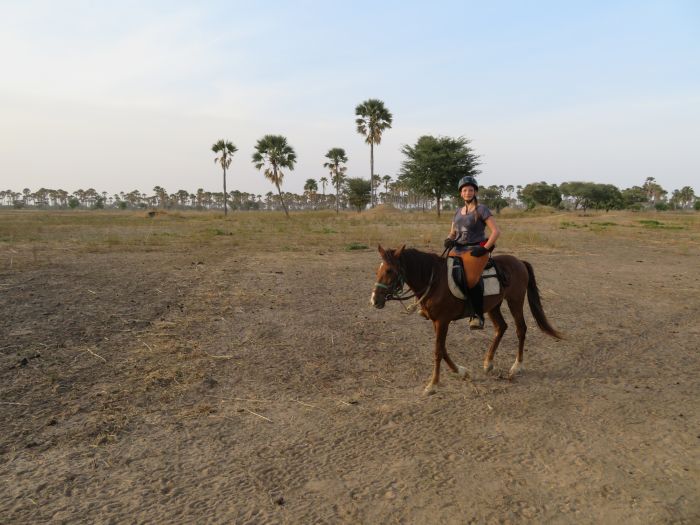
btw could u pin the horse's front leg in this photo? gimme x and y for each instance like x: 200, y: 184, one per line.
x: 440, y: 336
x: 457, y: 369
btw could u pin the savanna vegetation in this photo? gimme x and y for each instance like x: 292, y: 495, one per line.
x: 427, y: 181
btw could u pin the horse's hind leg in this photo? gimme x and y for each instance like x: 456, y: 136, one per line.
x: 500, y: 326
x: 440, y: 336
x: 516, y: 309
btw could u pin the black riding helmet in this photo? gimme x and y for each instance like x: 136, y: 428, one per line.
x: 468, y: 180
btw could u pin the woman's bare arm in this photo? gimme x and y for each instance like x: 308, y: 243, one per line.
x: 495, y: 232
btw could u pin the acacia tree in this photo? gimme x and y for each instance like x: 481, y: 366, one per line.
x: 373, y: 119
x: 359, y: 192
x: 272, y: 153
x: 225, y: 149
x: 540, y: 193
x: 592, y: 195
x: 435, y: 165
x: 492, y: 197
x: 336, y: 158
x: 634, y: 197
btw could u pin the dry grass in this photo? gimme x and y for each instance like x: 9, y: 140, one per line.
x: 29, y: 237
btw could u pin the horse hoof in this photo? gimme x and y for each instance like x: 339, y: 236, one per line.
x: 430, y: 390
x: 488, y: 368
x: 515, y: 370
x: 462, y: 372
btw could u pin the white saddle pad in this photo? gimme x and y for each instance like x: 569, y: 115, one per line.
x: 491, y: 284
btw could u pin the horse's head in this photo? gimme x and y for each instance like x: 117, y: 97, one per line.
x: 389, y: 281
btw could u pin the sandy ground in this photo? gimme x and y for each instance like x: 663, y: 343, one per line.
x: 234, y: 387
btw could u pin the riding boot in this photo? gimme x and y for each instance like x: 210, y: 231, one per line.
x: 476, y: 297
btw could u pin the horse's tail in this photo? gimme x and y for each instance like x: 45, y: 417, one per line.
x: 533, y: 299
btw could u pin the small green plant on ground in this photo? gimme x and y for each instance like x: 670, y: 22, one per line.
x: 653, y: 223
x: 356, y: 246
x: 568, y: 224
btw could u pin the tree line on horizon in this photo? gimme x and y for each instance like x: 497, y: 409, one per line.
x: 573, y: 195
x: 427, y: 180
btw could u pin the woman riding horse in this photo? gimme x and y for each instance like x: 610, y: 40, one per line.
x: 467, y: 239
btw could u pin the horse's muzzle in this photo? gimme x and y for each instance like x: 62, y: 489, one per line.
x: 377, y: 300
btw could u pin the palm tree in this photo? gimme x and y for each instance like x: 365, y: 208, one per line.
x: 311, y: 187
x: 386, y: 179
x: 324, y: 182
x: 374, y: 183
x: 273, y: 153
x: 374, y: 119
x: 688, y: 196
x: 160, y: 195
x: 336, y: 157
x: 225, y: 149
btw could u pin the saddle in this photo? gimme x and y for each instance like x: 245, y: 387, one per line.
x: 464, y: 272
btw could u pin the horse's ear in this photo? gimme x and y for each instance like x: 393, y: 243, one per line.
x: 398, y: 252
x: 381, y: 250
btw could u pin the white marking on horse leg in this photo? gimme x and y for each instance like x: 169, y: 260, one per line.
x: 372, y: 300
x: 430, y: 389
x: 462, y: 372
x: 517, y: 368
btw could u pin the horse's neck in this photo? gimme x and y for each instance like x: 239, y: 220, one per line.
x: 419, y: 270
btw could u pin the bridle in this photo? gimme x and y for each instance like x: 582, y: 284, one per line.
x: 395, y: 291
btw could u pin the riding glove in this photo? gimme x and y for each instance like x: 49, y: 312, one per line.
x: 479, y: 251
x: 449, y: 243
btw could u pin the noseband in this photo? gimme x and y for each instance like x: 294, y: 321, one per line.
x: 395, y: 289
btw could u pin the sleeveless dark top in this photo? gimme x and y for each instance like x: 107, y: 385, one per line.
x: 470, y: 227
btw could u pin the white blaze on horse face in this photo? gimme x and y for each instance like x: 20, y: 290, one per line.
x: 373, y: 298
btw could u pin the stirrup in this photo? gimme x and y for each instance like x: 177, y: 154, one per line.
x: 476, y: 323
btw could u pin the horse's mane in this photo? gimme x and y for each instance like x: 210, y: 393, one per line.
x: 419, y: 265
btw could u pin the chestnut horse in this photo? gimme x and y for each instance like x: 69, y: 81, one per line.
x: 426, y: 275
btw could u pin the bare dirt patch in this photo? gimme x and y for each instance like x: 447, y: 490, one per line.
x: 186, y: 373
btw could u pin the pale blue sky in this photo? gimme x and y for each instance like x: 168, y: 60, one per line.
x: 129, y: 95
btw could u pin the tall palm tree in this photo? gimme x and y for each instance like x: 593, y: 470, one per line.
x: 337, y: 158
x: 272, y: 153
x: 373, y: 119
x: 225, y: 149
